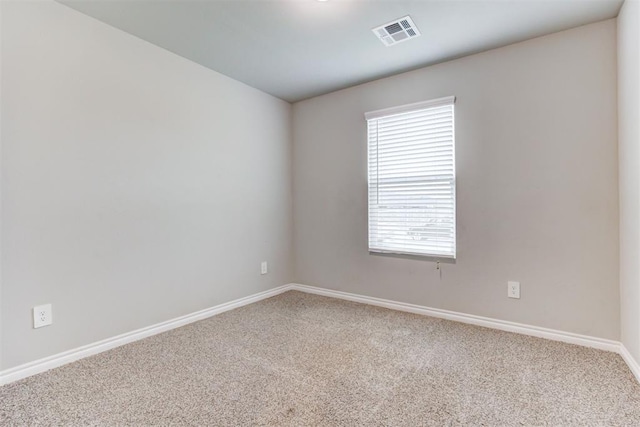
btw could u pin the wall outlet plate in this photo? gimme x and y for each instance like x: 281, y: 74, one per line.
x: 42, y: 315
x: 264, y: 268
x: 513, y: 289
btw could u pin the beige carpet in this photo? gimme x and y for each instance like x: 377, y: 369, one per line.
x: 304, y: 360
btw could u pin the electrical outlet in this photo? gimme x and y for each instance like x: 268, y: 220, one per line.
x: 513, y: 289
x: 42, y: 316
x: 264, y: 268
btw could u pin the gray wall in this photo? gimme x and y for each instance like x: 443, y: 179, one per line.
x: 137, y: 186
x: 629, y: 159
x: 537, y: 178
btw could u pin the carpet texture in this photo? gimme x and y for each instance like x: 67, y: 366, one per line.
x: 304, y: 360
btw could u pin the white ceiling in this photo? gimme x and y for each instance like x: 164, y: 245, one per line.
x: 296, y: 49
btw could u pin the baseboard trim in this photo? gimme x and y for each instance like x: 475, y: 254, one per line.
x: 503, y: 325
x: 60, y: 359
x: 634, y: 365
x: 487, y: 322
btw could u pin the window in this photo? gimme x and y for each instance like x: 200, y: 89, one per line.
x: 412, y: 186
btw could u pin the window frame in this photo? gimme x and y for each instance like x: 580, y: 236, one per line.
x: 408, y: 108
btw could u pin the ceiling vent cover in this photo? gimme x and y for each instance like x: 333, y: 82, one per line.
x: 397, y: 31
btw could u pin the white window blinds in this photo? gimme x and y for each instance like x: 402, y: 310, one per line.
x: 412, y: 187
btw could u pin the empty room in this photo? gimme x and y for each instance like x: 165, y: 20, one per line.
x: 320, y: 213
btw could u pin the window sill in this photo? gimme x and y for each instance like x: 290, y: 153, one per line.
x: 415, y: 256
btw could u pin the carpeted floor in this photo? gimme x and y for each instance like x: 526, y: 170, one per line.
x: 304, y: 360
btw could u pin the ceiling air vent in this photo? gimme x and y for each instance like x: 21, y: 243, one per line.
x: 397, y: 31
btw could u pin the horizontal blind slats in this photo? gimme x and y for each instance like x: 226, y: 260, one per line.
x: 393, y: 137
x: 418, y: 113
x: 419, y: 144
x: 412, y: 182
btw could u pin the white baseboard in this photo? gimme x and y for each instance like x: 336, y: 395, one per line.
x: 41, y: 365
x: 634, y: 365
x: 38, y: 366
x: 503, y: 325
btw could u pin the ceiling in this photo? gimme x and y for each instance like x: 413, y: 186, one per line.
x: 297, y: 49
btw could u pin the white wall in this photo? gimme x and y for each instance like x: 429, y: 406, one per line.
x: 1, y: 68
x: 136, y: 186
x: 537, y: 179
x: 629, y: 160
